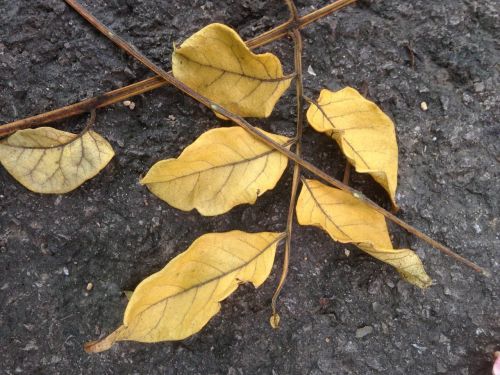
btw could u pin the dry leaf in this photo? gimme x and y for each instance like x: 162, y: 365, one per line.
x: 349, y: 220
x: 216, y: 63
x: 50, y: 161
x: 223, y: 168
x: 180, y: 299
x: 365, y: 134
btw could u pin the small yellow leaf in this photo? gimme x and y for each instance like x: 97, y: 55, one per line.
x: 50, y: 161
x: 365, y: 134
x: 179, y: 300
x: 217, y: 64
x: 349, y: 220
x: 223, y: 168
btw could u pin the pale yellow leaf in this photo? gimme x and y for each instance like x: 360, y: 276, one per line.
x: 349, y: 220
x: 223, y: 168
x: 216, y: 63
x: 50, y: 161
x: 179, y: 300
x: 365, y: 134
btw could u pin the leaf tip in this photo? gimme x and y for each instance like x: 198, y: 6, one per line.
x: 92, y: 347
x: 104, y: 344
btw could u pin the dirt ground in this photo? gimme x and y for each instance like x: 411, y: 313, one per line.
x: 340, y: 314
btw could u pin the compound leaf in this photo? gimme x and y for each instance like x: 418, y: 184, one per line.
x: 179, y: 300
x: 216, y: 63
x: 349, y: 220
x: 365, y: 134
x: 50, y: 161
x: 223, y: 168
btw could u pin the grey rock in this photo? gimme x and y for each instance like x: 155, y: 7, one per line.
x: 363, y: 331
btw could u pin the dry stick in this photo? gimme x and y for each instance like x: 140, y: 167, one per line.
x: 83, y: 106
x: 297, y: 41
x: 153, y: 83
x: 262, y: 137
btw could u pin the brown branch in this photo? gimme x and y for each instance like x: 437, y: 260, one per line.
x: 133, y: 51
x: 153, y: 83
x: 86, y: 105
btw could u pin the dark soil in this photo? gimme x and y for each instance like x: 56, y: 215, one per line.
x: 113, y: 232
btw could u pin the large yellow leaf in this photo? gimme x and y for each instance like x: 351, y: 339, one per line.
x: 50, y: 161
x: 216, y: 63
x: 180, y: 299
x: 223, y: 168
x: 349, y: 220
x: 365, y: 134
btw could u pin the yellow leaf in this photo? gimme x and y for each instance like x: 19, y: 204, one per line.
x: 365, y: 134
x: 179, y: 300
x: 50, y: 161
x: 223, y: 168
x: 217, y: 64
x: 349, y: 220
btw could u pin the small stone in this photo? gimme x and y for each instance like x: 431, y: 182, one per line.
x: 347, y: 252
x: 374, y: 287
x: 131, y: 106
x: 445, y: 102
x: 66, y: 271
x: 441, y: 369
x: 126, y: 103
x: 364, y: 331
x: 89, y: 287
x: 479, y: 86
x: 377, y: 307
x: 424, y: 106
x: 311, y: 71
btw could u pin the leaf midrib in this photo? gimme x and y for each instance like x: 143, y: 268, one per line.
x: 259, y: 156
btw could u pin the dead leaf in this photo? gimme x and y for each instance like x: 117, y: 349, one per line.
x: 365, y: 134
x: 50, y: 161
x: 217, y: 64
x: 179, y: 300
x: 223, y: 168
x: 349, y: 220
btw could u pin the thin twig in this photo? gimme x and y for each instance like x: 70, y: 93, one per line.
x: 86, y: 105
x: 133, y: 51
x: 152, y: 83
x: 297, y: 39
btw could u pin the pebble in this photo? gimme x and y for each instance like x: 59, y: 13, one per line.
x: 364, y: 331
x: 129, y: 104
x: 424, y: 106
x: 377, y: 307
x: 89, y: 287
x: 479, y: 87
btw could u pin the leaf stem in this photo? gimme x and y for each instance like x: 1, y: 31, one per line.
x: 258, y: 134
x: 298, y: 46
x: 152, y: 83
